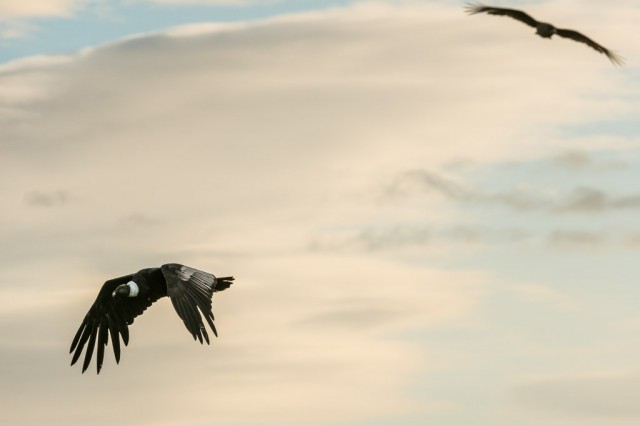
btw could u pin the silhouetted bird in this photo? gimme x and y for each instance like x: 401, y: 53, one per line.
x: 122, y: 299
x: 543, y: 29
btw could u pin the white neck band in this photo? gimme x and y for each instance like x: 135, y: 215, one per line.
x: 133, y: 289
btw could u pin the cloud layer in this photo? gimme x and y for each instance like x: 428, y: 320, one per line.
x: 252, y: 149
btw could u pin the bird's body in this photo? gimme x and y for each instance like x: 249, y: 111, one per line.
x: 122, y: 299
x: 544, y: 29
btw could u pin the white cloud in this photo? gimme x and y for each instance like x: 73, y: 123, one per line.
x: 16, y: 29
x: 589, y: 399
x: 274, y: 349
x: 37, y: 8
x: 537, y: 293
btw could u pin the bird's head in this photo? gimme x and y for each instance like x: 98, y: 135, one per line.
x: 121, y: 290
x: 129, y: 289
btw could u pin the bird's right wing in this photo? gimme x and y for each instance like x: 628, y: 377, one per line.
x: 190, y: 291
x: 107, y: 316
x: 519, y: 15
x: 581, y: 38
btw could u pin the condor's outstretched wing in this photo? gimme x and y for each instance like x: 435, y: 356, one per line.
x: 108, y: 316
x: 581, y: 38
x: 190, y: 291
x: 519, y: 15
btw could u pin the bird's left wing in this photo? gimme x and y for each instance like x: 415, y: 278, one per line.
x: 191, y: 290
x: 107, y: 316
x: 581, y: 38
x: 519, y: 15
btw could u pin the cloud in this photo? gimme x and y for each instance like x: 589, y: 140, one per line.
x: 516, y: 200
x: 537, y: 293
x: 47, y: 199
x: 596, y: 399
x: 585, y: 161
x: 576, y: 238
x: 577, y: 200
x: 373, y: 238
x: 16, y: 29
x: 286, y: 323
x: 135, y: 220
x: 220, y: 150
x: 433, y: 181
x: 414, y: 237
x: 632, y: 239
x: 520, y: 200
x: 573, y: 159
x: 229, y: 149
x: 585, y: 200
x: 36, y: 8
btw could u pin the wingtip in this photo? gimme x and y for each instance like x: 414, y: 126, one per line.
x: 473, y: 8
x: 618, y: 61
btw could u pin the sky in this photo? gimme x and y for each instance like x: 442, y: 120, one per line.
x: 431, y: 217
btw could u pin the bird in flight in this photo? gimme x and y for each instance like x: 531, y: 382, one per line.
x: 544, y: 29
x: 122, y: 299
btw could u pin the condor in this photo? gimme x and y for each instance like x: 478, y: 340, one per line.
x: 122, y: 299
x: 544, y: 29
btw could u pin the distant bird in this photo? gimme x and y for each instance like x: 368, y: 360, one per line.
x: 543, y: 29
x: 122, y: 299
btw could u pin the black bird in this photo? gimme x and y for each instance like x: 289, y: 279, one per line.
x: 544, y: 29
x: 122, y: 299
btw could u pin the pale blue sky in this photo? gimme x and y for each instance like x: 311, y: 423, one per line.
x: 431, y: 217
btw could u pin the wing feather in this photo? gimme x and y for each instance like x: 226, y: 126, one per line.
x: 76, y: 338
x: 79, y: 345
x: 90, y: 346
x: 115, y: 338
x: 107, y: 316
x: 581, y: 38
x: 184, y: 310
x: 191, y: 291
x: 103, y: 340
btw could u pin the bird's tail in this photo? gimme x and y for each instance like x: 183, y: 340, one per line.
x: 223, y: 283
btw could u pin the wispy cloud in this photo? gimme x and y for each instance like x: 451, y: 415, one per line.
x: 593, y: 399
x: 420, y: 180
x: 36, y: 8
x: 579, y: 238
x: 536, y: 293
x: 580, y: 160
x: 586, y: 200
x: 47, y: 199
x: 16, y: 30
x: 576, y: 200
x: 414, y: 236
